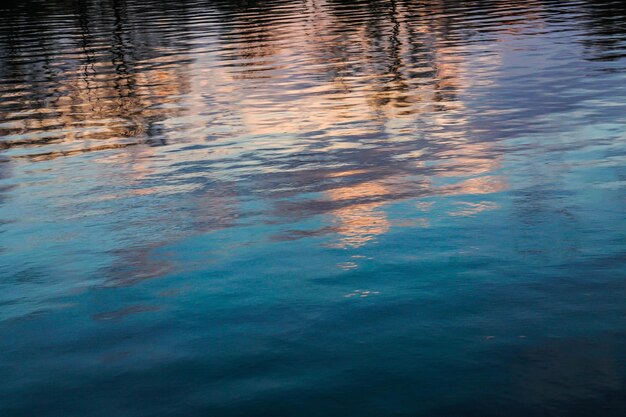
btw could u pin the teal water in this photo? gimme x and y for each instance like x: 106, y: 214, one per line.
x: 312, y: 208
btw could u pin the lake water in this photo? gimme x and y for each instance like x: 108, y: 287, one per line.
x: 312, y: 208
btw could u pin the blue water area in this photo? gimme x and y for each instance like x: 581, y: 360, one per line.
x: 312, y: 208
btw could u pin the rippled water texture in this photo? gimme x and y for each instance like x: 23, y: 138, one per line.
x: 312, y: 208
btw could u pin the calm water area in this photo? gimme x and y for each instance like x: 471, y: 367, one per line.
x: 312, y: 208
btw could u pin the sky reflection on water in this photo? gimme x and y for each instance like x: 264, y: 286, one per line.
x: 312, y: 208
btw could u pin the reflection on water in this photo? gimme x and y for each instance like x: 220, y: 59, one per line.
x: 259, y: 160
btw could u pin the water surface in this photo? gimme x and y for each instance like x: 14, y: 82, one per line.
x: 312, y: 208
